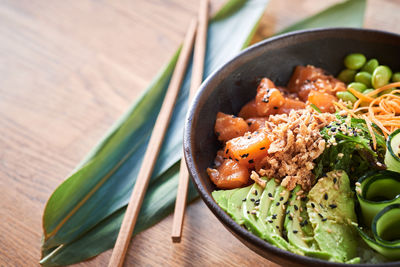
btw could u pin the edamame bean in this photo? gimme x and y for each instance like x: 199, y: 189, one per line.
x: 368, y: 91
x: 370, y: 66
x: 396, y: 77
x: 357, y: 86
x: 381, y: 76
x: 346, y: 96
x: 347, y: 76
x: 363, y: 77
x: 354, y: 61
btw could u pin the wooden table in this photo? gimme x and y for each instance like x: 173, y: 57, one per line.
x: 68, y: 70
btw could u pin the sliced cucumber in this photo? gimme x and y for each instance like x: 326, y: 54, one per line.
x: 392, y: 158
x: 375, y: 191
x: 386, y: 232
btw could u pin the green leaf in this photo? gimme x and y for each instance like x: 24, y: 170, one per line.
x: 89, y: 204
x: 347, y: 14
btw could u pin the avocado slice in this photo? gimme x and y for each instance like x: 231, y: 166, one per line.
x: 331, y: 211
x: 298, y: 230
x: 235, y: 204
x: 266, y: 199
x: 274, y: 221
x: 250, y: 210
x: 222, y: 197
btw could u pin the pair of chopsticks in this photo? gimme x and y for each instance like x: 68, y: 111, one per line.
x: 157, y: 136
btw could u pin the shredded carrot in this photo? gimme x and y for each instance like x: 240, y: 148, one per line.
x: 383, y: 111
x: 340, y: 106
x: 360, y: 96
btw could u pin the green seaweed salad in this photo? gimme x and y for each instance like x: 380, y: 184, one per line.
x: 351, y: 211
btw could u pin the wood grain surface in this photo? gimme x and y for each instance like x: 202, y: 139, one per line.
x: 68, y: 70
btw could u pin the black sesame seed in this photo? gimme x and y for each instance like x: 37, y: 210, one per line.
x: 322, y: 206
x: 290, y: 217
x: 251, y: 161
x: 281, y: 199
x: 249, y: 123
x: 329, y: 126
x: 326, y: 196
x: 262, y: 148
x: 256, y: 132
x: 305, y: 222
x: 332, y: 206
x: 265, y: 100
x: 270, y: 221
x: 333, y: 129
x: 248, y: 212
x: 252, y: 199
x: 288, y: 211
x: 301, y: 224
x: 277, y: 227
x: 274, y: 216
x: 320, y: 215
x: 277, y: 203
x: 295, y: 207
x: 249, y: 137
x: 324, y: 219
x: 275, y: 107
x: 312, y: 205
x: 255, y: 192
x: 237, y: 160
x: 334, y: 180
x: 244, y: 199
x: 230, y: 157
x: 269, y: 194
x: 295, y: 231
x: 227, y: 151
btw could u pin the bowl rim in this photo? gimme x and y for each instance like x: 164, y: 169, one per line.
x: 223, y: 217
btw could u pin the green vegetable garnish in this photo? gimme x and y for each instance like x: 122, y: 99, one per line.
x: 349, y: 148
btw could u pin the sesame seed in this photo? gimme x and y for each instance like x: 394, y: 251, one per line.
x: 227, y: 151
x: 332, y: 206
x: 249, y: 137
x: 312, y: 205
x: 277, y: 227
x: 358, y: 184
x: 286, y: 203
x: 255, y: 192
x: 334, y: 180
x: 262, y: 148
x: 274, y: 216
x: 329, y: 230
x: 269, y: 194
x: 271, y: 198
x: 295, y: 207
x: 270, y: 221
x: 281, y: 199
x: 251, y: 161
x: 244, y: 199
x: 320, y: 215
x: 326, y: 196
x: 295, y: 231
x: 290, y: 217
x: 324, y: 219
x: 277, y: 203
x: 248, y: 212
x: 253, y: 212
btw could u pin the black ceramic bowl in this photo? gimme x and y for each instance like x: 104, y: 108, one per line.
x: 235, y: 83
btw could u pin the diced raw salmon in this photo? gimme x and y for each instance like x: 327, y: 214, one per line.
x: 229, y: 175
x: 323, y: 101
x: 290, y: 104
x: 229, y: 126
x: 268, y: 98
x: 256, y: 124
x: 249, y: 110
x: 248, y: 148
x: 308, y: 78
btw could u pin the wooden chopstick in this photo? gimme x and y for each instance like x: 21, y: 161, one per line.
x: 197, y: 78
x: 153, y: 148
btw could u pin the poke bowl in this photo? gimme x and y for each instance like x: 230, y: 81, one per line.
x: 331, y: 181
